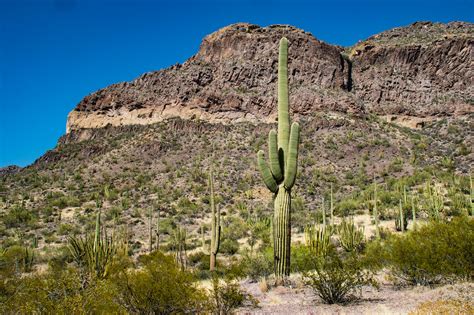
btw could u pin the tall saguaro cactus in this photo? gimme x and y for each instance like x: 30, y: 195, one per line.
x: 280, y: 176
x: 215, y: 226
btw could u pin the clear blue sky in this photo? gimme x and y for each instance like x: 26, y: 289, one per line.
x: 53, y: 53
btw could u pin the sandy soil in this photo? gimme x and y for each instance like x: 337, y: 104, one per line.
x: 386, y: 300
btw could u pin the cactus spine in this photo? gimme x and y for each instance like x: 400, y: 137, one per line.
x: 280, y: 173
x: 215, y: 226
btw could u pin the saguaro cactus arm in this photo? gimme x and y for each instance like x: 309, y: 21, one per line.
x: 266, y: 173
x: 290, y: 170
x: 283, y: 113
x: 276, y: 164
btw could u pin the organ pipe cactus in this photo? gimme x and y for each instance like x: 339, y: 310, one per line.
x: 215, y: 226
x: 401, y: 221
x: 94, y: 253
x: 317, y: 239
x: 279, y: 173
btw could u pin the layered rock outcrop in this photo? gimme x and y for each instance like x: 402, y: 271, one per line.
x: 421, y: 70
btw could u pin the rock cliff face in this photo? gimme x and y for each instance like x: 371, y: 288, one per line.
x: 422, y: 70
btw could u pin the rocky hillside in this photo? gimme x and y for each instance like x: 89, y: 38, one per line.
x: 423, y: 70
x: 126, y: 137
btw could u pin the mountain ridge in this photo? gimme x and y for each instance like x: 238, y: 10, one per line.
x: 230, y: 78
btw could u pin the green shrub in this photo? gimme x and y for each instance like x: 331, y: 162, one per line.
x: 435, y: 253
x: 335, y: 278
x: 229, y: 246
x: 160, y: 287
x: 17, y: 216
x: 227, y: 295
x: 258, y: 265
x: 61, y: 291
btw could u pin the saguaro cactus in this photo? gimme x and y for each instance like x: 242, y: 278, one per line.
x: 280, y: 176
x: 215, y: 226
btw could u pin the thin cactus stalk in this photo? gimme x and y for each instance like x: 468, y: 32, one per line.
x: 401, y: 220
x: 413, y: 211
x: 323, y: 208
x: 35, y: 241
x: 280, y: 173
x: 215, y: 225
x: 203, y: 240
x: 434, y: 201
x: 157, y: 228
x: 150, y: 229
x: 179, y: 243
x: 375, y: 212
x: 97, y: 231
x: 331, y: 209
x: 471, y: 195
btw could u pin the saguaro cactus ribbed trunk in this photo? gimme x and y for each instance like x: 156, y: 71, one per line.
x: 279, y: 175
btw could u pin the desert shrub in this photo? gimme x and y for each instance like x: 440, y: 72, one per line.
x: 229, y: 246
x: 335, y: 279
x: 17, y: 259
x: 436, y: 252
x: 159, y: 287
x: 226, y: 295
x: 56, y: 292
x: 444, y: 307
x: 17, y: 216
x: 258, y: 265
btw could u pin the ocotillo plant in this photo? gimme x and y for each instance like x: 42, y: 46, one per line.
x: 280, y: 176
x: 215, y: 225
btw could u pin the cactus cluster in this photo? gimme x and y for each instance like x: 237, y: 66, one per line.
x: 279, y: 173
x: 94, y: 253
x: 350, y: 236
x: 318, y: 239
x: 179, y: 243
x: 434, y: 201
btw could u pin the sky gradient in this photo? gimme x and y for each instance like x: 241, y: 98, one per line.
x: 53, y: 53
